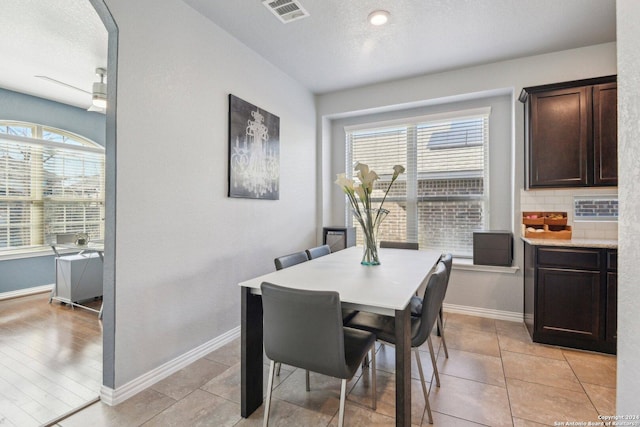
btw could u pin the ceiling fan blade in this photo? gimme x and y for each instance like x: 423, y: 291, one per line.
x: 49, y: 79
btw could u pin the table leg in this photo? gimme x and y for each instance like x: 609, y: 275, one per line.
x: 403, y: 367
x: 251, y: 353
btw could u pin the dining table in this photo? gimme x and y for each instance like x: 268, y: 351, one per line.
x: 383, y: 289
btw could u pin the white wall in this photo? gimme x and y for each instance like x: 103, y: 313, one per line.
x: 182, y: 245
x: 628, y: 16
x: 491, y: 291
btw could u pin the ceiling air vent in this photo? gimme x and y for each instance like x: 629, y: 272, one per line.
x: 286, y: 10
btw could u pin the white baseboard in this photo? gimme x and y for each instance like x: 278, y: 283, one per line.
x: 510, y: 316
x: 120, y: 394
x: 25, y: 292
x: 115, y: 396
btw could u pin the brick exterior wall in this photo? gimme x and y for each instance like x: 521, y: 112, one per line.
x: 442, y: 224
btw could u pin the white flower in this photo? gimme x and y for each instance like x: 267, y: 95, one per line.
x: 359, y: 196
x: 362, y: 168
x: 344, y: 182
x: 368, y: 179
x: 397, y: 170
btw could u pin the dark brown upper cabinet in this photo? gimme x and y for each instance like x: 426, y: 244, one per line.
x: 571, y: 133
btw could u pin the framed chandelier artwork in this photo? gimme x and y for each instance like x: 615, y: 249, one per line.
x: 254, y: 151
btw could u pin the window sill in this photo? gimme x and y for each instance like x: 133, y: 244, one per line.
x: 468, y: 265
x: 31, y: 253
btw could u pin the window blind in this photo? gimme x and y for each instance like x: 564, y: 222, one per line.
x: 48, y: 187
x: 442, y: 198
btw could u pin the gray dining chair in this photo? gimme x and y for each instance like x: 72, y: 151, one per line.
x: 285, y: 261
x: 447, y: 259
x: 416, y: 302
x: 290, y: 260
x: 318, y: 251
x: 304, y: 329
x: 399, y: 245
x: 421, y: 327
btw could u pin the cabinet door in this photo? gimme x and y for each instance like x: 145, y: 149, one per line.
x: 605, y: 134
x: 568, y: 304
x: 612, y: 307
x: 560, y: 131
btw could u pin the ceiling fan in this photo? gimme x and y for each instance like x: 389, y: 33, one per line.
x: 98, y: 94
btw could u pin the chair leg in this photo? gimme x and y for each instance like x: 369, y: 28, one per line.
x: 278, y: 369
x: 421, y: 372
x: 307, y: 380
x: 373, y: 377
x: 424, y: 386
x: 444, y: 342
x: 433, y: 361
x: 343, y: 396
x: 267, y: 403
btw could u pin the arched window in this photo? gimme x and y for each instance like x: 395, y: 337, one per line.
x: 51, y: 181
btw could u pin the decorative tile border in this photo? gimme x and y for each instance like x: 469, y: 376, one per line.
x: 595, y: 208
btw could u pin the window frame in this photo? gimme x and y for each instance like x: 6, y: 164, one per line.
x: 37, y: 200
x: 413, y: 177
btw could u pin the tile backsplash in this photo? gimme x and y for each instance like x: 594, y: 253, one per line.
x: 563, y: 200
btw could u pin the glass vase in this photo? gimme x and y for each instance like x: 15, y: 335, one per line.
x: 370, y: 224
x: 370, y: 253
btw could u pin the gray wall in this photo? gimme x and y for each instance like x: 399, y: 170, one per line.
x: 485, y: 291
x: 17, y: 274
x: 628, y: 16
x: 182, y: 246
x: 27, y: 108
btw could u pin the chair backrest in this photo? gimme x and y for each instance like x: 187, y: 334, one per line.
x: 447, y: 260
x: 291, y: 259
x: 318, y: 251
x: 399, y: 245
x: 304, y: 329
x: 431, y: 303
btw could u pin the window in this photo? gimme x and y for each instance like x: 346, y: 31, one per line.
x: 443, y: 196
x: 51, y: 181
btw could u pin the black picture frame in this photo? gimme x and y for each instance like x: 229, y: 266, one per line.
x: 254, y: 151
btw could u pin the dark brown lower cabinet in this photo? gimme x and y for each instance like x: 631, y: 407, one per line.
x: 612, y: 297
x: 570, y: 297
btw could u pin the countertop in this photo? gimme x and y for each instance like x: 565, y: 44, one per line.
x: 574, y: 243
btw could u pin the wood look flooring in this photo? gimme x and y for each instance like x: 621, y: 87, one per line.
x: 50, y: 359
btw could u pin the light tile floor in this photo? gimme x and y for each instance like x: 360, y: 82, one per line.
x: 495, y: 376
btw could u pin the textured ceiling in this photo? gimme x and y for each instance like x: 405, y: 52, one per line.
x: 336, y: 48
x: 62, y: 39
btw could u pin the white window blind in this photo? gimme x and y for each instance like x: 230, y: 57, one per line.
x: 50, y: 182
x: 442, y: 198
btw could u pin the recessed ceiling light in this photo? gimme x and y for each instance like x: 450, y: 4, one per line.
x: 378, y: 17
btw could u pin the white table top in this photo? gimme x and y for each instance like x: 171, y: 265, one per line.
x: 386, y: 287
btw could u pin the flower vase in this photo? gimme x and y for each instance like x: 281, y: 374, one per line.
x: 370, y: 253
x: 373, y: 218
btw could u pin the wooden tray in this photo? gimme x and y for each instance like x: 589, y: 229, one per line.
x: 555, y: 221
x: 533, y: 221
x: 564, y: 234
